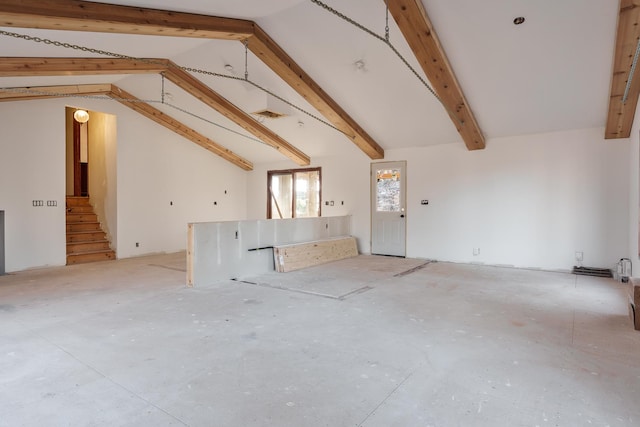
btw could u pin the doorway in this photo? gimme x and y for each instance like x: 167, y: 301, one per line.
x: 77, y: 152
x: 388, y: 208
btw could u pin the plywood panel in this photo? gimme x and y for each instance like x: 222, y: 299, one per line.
x: 303, y: 255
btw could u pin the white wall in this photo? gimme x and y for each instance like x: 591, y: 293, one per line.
x: 527, y: 201
x: 154, y: 167
x: 32, y: 167
x: 103, y: 172
x: 157, y: 167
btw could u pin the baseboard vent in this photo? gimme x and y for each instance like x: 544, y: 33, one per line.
x: 590, y: 271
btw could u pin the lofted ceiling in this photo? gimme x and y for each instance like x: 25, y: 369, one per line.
x: 551, y: 73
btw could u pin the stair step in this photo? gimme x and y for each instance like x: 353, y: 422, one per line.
x: 85, y: 247
x: 77, y: 201
x: 86, y: 241
x: 79, y: 209
x: 90, y: 257
x: 81, y: 217
x: 85, y: 236
x: 84, y: 226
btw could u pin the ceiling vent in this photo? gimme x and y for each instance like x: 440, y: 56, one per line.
x: 267, y: 106
x: 269, y: 114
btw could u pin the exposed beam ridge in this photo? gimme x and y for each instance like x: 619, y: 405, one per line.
x: 18, y: 67
x: 41, y: 92
x: 620, y: 114
x: 216, y: 101
x: 75, y: 15
x: 413, y: 21
x: 261, y: 45
x: 179, y: 128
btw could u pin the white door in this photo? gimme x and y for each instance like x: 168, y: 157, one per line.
x: 388, y: 213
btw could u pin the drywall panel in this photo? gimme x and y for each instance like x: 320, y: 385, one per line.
x: 234, y: 249
x: 32, y: 167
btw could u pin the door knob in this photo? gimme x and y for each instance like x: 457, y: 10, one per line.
x: 402, y: 216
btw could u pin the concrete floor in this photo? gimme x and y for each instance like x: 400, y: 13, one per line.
x: 354, y: 343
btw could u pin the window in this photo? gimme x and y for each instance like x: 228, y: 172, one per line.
x: 293, y: 193
x: 388, y: 190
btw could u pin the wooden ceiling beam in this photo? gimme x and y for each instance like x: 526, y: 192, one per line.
x: 18, y: 67
x: 75, y: 15
x: 620, y: 114
x: 216, y: 101
x: 42, y: 92
x: 413, y: 21
x: 26, y: 67
x: 127, y: 99
x: 177, y: 127
x: 263, y: 46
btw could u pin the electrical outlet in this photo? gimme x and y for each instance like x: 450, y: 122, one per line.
x: 476, y: 251
x: 424, y: 202
x: 137, y: 244
x: 579, y: 256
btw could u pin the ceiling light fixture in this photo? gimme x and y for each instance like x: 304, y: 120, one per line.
x: 228, y: 67
x: 519, y: 20
x: 359, y: 65
x: 81, y: 116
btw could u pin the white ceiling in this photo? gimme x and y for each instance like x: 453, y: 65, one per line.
x: 550, y: 73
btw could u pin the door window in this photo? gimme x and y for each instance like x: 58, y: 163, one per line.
x: 388, y: 190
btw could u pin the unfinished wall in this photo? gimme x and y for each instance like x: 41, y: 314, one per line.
x: 32, y: 167
x: 154, y: 167
x: 237, y: 249
x: 527, y: 201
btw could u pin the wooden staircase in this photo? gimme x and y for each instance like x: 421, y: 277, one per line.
x: 86, y: 242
